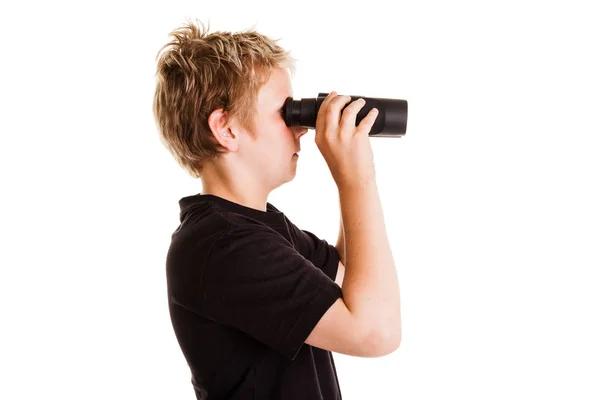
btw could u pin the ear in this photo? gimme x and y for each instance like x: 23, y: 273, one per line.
x: 219, y: 124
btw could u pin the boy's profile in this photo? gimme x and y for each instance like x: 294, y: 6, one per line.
x: 257, y: 304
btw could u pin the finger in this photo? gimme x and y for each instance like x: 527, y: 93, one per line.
x: 348, y: 120
x: 329, y: 97
x: 332, y: 113
x: 326, y: 102
x: 367, y: 122
x: 323, y: 109
x: 338, y: 103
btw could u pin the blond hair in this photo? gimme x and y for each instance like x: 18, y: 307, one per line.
x: 197, y: 73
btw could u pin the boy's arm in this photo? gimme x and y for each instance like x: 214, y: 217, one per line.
x: 341, y: 249
x: 341, y: 244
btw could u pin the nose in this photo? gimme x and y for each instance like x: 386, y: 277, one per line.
x: 298, y: 132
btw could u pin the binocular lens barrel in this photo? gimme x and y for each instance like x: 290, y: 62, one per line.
x: 390, y: 122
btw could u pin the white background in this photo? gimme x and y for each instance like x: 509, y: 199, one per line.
x: 490, y: 200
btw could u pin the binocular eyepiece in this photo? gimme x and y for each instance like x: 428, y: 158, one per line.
x: 390, y: 122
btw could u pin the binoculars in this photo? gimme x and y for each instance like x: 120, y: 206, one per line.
x: 390, y: 122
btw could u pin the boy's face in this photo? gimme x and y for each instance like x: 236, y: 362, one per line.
x: 272, y: 154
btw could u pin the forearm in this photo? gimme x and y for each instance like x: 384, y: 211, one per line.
x: 371, y: 289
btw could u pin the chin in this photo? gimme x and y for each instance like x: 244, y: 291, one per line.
x: 292, y: 175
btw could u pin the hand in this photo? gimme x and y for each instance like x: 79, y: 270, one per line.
x: 345, y: 146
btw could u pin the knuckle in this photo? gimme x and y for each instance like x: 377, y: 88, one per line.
x: 331, y: 111
x: 348, y: 117
x: 350, y: 112
x: 343, y: 99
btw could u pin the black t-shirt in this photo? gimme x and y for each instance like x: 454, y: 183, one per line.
x: 245, y: 289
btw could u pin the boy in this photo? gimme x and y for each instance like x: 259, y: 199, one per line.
x: 257, y: 304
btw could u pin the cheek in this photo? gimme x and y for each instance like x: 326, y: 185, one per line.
x: 278, y: 123
x: 277, y: 135
x: 274, y: 124
x: 281, y: 131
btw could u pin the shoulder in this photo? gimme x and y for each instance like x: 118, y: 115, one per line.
x: 210, y: 218
x: 210, y: 236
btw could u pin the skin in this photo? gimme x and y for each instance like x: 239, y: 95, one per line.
x: 250, y: 170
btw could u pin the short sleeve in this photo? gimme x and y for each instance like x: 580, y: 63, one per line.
x: 257, y: 282
x: 322, y: 254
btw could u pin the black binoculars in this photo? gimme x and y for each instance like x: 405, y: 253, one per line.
x: 390, y: 122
